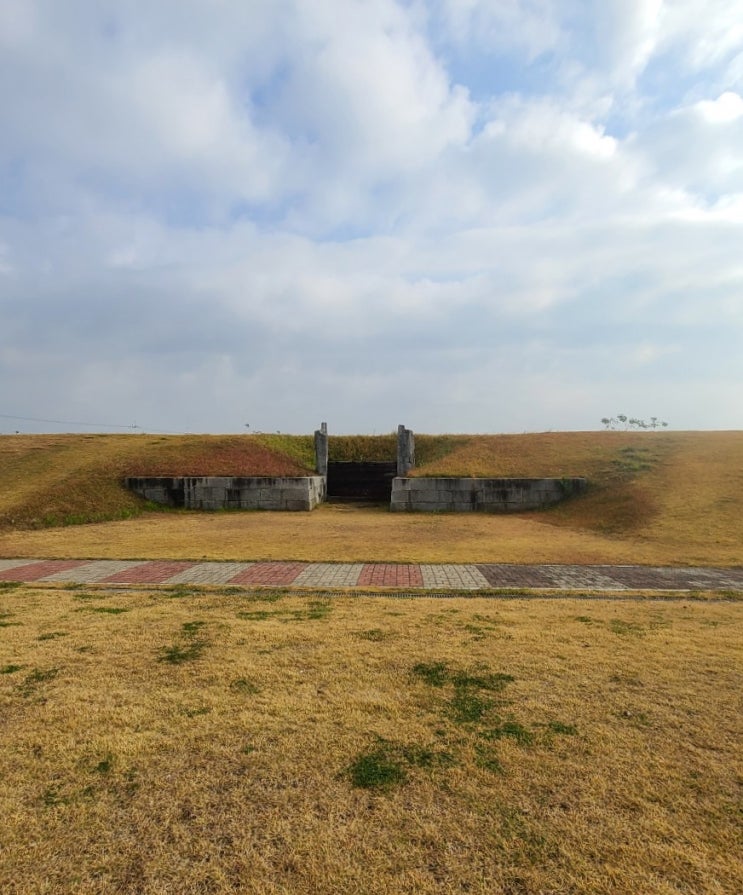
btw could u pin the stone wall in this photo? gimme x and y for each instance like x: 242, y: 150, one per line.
x: 463, y: 495
x: 235, y: 492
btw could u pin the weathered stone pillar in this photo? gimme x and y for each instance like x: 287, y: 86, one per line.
x: 405, y: 450
x: 321, y: 450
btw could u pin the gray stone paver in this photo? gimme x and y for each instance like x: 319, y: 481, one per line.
x: 465, y: 577
x: 705, y: 578
x: 210, y: 573
x: 582, y: 576
x: 505, y: 575
x: 675, y: 578
x: 94, y: 571
x: 328, y: 574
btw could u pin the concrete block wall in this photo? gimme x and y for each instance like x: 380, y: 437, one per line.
x: 232, y: 492
x: 467, y: 495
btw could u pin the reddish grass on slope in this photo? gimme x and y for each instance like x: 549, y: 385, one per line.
x: 215, y: 455
x: 62, y: 479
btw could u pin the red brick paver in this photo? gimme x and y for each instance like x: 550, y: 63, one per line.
x: 156, y: 572
x: 36, y: 570
x: 391, y: 575
x: 270, y: 573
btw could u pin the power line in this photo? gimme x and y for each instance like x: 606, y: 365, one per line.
x: 35, y: 419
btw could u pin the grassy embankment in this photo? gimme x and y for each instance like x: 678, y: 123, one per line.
x: 187, y: 741
x: 670, y: 497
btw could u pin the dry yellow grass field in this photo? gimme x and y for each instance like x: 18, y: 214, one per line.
x: 342, y: 534
x: 670, y: 497
x: 180, y: 741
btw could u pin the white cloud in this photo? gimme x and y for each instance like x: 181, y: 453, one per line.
x: 697, y: 147
x: 627, y: 34
x: 708, y: 32
x: 531, y: 26
x: 292, y: 208
x: 726, y: 108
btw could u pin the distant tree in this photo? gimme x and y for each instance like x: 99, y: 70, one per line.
x: 632, y: 422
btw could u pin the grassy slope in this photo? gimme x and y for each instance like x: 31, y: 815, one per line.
x: 654, y: 497
x: 59, y: 479
x: 216, y: 742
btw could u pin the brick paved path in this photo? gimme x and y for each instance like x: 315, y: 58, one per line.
x: 476, y: 576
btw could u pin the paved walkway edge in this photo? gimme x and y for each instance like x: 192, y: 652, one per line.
x: 463, y: 577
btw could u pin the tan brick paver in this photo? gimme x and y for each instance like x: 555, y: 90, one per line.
x: 326, y: 574
x: 210, y: 573
x: 465, y: 577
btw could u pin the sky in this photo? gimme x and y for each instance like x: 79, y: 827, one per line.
x: 460, y: 215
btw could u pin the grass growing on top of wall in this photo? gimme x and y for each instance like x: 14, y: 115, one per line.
x: 372, y: 448
x: 429, y: 449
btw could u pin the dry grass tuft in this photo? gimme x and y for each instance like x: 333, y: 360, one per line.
x: 487, y: 746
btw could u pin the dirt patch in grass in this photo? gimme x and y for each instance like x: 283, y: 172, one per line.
x: 577, y: 757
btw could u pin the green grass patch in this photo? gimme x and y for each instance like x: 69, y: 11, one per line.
x: 488, y: 760
x: 375, y: 635
x: 617, y: 626
x: 36, y: 678
x: 10, y: 669
x: 257, y: 615
x: 262, y: 596
x: 377, y: 769
x: 179, y: 591
x: 511, y: 729
x: 492, y: 681
x: 53, y: 796
x: 387, y: 764
x: 195, y: 713
x: 104, y: 610
x: 178, y: 653
x: 435, y: 674
x: 316, y: 609
x: 244, y: 687
x: 105, y: 765
x: 468, y: 708
x: 563, y: 729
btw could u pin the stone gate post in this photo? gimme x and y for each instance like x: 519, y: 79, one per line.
x: 321, y: 450
x: 405, y: 450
